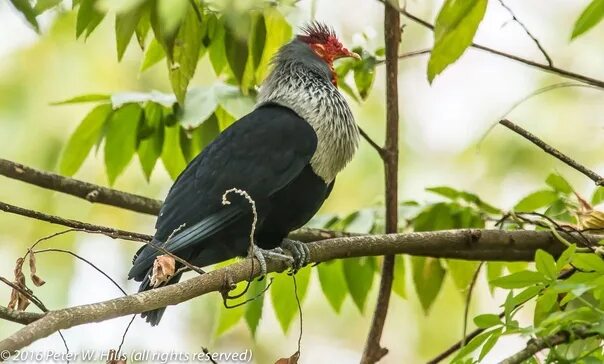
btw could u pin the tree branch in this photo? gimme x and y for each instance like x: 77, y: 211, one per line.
x: 20, y: 317
x: 544, y: 67
x: 88, y: 191
x: 599, y: 180
x: 536, y: 345
x: 373, y: 351
x: 474, y: 244
x: 75, y: 224
x: 528, y: 32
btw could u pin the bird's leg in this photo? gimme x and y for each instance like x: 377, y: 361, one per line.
x: 263, y: 254
x: 299, y: 251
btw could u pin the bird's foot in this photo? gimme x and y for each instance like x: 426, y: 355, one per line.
x: 263, y: 254
x: 299, y: 252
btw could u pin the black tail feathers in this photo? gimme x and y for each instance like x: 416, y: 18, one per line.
x: 153, y: 317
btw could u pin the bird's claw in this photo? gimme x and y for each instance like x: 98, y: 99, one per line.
x: 263, y: 254
x: 299, y: 252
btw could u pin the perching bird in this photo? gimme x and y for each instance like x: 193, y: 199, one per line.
x: 285, y: 154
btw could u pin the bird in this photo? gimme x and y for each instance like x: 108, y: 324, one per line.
x: 284, y: 155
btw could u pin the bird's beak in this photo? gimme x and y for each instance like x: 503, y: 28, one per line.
x: 346, y: 53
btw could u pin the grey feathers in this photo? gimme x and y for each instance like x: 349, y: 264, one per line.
x: 301, y: 81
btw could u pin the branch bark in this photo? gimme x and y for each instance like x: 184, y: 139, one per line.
x: 536, y: 345
x: 88, y: 191
x: 20, y: 317
x: 373, y: 351
x: 474, y: 244
x: 544, y: 67
x: 598, y: 180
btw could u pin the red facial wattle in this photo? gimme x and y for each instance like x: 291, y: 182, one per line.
x: 330, y: 51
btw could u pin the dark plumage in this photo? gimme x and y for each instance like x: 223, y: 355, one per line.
x: 284, y: 154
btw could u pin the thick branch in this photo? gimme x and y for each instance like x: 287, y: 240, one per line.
x: 373, y: 351
x: 88, y: 191
x: 20, y: 317
x: 536, y: 345
x: 471, y: 244
x: 599, y: 180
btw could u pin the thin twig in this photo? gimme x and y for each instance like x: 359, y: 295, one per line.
x: 544, y: 67
x: 599, y: 180
x: 524, y: 27
x: 466, y: 312
x: 375, y: 145
x: 97, y: 229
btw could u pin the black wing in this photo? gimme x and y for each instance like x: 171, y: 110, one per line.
x: 260, y: 154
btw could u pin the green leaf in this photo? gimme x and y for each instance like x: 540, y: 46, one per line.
x: 28, y: 12
x: 520, y: 279
x: 120, y: 141
x: 333, y: 282
x: 536, y: 200
x: 43, y: 5
x: 590, y: 17
x: 545, y: 304
x: 494, y: 270
x: 454, y: 30
x: 428, y: 277
x: 545, y: 264
x: 84, y: 98
x: 598, y: 196
x: 153, y: 54
x: 284, y: 298
x: 89, y: 17
x: 559, y: 183
x: 253, y: 312
x: 236, y: 52
x: 399, y: 285
x: 462, y: 272
x: 142, y: 27
x: 490, y: 343
x: 359, y: 278
x: 566, y: 257
x: 185, y: 54
x: 472, y: 345
x: 87, y: 134
x: 120, y: 99
x: 280, y: 32
x: 487, y: 320
x: 217, y: 52
x: 149, y: 149
x: 364, y: 73
x: 125, y: 24
x: 588, y: 262
x: 171, y: 14
x: 171, y: 154
x: 444, y: 191
x: 524, y: 296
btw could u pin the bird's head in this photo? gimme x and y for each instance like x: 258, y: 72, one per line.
x: 324, y: 42
x: 318, y: 47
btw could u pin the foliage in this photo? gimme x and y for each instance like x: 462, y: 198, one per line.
x: 566, y: 291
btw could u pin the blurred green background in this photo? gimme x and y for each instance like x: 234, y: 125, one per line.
x: 442, y: 128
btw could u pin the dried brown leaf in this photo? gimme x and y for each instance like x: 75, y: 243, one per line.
x: 114, y: 359
x: 37, y: 280
x: 164, y: 268
x: 22, y: 302
x: 291, y: 360
x: 593, y: 219
x: 19, y: 276
x: 14, y: 297
x: 32, y: 270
